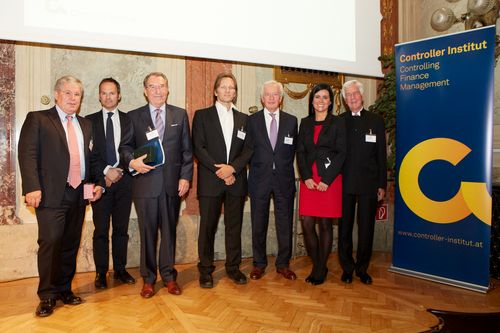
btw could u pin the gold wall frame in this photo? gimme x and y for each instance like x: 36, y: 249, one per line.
x: 310, y: 77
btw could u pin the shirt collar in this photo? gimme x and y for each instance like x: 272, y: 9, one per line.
x: 221, y: 108
x: 62, y: 114
x: 152, y: 108
x: 277, y: 112
x: 114, y: 111
x: 358, y: 113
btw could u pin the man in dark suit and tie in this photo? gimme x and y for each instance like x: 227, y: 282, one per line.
x: 219, y: 134
x: 364, y: 179
x: 56, y: 160
x: 272, y: 137
x: 108, y: 126
x: 157, y: 191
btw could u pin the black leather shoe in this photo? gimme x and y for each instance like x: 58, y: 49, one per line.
x: 100, y: 281
x: 346, y: 277
x: 46, y: 307
x: 237, y: 277
x: 69, y: 298
x: 364, y: 278
x: 124, y: 277
x: 206, y: 280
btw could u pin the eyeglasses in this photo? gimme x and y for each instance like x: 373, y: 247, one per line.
x: 153, y: 87
x: 354, y: 94
x: 70, y: 94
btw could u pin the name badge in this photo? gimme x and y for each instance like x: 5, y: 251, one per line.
x: 288, y: 140
x: 152, y: 134
x: 371, y: 138
x: 241, y: 135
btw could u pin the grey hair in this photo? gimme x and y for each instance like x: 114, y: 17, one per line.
x: 157, y: 74
x: 68, y: 79
x: 351, y: 83
x: 269, y: 83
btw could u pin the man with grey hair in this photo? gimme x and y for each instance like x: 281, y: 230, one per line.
x: 56, y: 159
x: 364, y: 179
x: 157, y: 191
x: 272, y: 137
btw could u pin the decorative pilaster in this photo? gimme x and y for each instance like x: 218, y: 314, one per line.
x: 200, y: 77
x: 7, y: 134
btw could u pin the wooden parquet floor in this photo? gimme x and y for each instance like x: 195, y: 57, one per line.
x: 394, y: 303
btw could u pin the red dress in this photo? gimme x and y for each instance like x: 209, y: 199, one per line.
x: 321, y: 204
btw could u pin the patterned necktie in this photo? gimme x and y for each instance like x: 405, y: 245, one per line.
x: 273, y: 131
x: 110, y: 141
x: 74, y: 175
x: 159, y: 125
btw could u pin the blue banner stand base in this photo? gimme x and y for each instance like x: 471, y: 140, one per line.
x: 440, y: 279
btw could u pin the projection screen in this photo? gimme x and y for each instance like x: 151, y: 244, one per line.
x: 330, y: 35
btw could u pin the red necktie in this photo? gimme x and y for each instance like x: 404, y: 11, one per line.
x: 74, y: 175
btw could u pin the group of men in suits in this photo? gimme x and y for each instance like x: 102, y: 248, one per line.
x: 225, y: 141
x: 57, y: 146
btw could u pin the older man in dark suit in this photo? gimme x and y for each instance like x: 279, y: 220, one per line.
x: 272, y: 135
x: 56, y: 160
x: 364, y: 179
x: 108, y: 125
x: 157, y: 191
x: 219, y: 134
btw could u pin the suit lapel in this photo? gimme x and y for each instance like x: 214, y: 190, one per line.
x: 214, y: 122
x: 326, y: 126
x: 100, y: 135
x: 86, y: 131
x: 56, y: 121
x: 281, y: 131
x: 263, y: 130
x: 238, y: 125
x: 169, y: 117
x: 146, y: 118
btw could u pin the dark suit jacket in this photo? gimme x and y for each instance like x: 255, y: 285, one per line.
x: 176, y: 144
x: 330, y: 148
x: 100, y: 136
x: 210, y: 148
x: 263, y: 156
x: 44, y: 156
x: 365, y: 167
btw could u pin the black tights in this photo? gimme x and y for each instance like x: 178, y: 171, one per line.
x: 318, y: 246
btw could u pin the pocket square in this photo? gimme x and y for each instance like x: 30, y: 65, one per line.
x: 172, y: 125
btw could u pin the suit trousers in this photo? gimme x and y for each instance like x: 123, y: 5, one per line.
x: 115, y: 204
x: 59, y: 234
x: 367, y: 207
x: 158, y: 214
x: 210, y: 211
x: 283, y: 218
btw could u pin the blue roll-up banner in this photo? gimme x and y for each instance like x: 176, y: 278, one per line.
x: 444, y: 141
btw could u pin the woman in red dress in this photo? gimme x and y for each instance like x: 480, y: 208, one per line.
x: 321, y: 149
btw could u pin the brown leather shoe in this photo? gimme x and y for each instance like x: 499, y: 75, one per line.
x: 287, y: 274
x: 257, y: 273
x: 173, y: 288
x: 147, y: 290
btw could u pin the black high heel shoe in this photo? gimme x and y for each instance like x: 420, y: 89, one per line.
x: 320, y: 280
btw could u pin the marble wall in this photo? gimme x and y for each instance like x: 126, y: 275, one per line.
x: 7, y: 142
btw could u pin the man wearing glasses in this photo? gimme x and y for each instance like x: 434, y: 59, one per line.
x: 157, y: 191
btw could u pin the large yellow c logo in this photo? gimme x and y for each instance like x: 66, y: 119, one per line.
x: 470, y: 198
